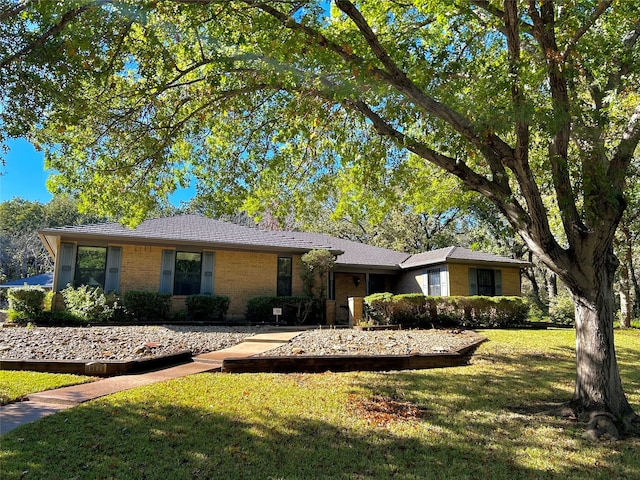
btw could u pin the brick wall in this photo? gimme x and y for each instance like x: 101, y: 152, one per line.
x: 511, y: 282
x: 244, y: 275
x: 238, y: 275
x: 458, y: 279
x: 411, y: 282
x: 140, y: 268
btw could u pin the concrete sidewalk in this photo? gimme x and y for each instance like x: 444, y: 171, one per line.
x: 41, y: 404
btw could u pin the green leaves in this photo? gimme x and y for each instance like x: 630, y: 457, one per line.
x: 270, y: 109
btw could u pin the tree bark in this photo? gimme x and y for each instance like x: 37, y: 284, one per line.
x: 598, y: 390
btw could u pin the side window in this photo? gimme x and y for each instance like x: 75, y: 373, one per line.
x: 434, y: 283
x: 285, y: 265
x: 91, y: 264
x: 188, y: 272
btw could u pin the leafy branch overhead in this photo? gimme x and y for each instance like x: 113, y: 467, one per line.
x: 287, y: 105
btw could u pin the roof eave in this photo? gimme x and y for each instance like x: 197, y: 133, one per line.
x: 158, y: 241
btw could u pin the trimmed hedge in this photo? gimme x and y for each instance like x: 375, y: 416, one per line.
x: 148, y: 306
x: 420, y: 311
x: 295, y: 310
x: 203, y: 308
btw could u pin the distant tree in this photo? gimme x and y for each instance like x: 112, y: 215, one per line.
x: 21, y: 251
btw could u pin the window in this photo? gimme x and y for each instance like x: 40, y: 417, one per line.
x: 84, y: 265
x: 187, y: 273
x: 433, y: 279
x: 91, y: 265
x: 377, y: 283
x: 284, y: 276
x: 486, y: 283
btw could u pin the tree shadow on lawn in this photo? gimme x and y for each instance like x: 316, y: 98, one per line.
x: 180, y: 442
x: 465, y: 433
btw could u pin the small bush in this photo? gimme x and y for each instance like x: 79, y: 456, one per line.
x: 562, y: 310
x: 148, y: 306
x: 378, y: 308
x: 295, y: 310
x: 25, y: 303
x: 91, y: 304
x: 205, y: 308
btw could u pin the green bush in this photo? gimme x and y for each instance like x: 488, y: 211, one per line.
x: 378, y: 308
x: 562, y: 310
x: 420, y: 311
x: 295, y: 310
x: 205, y: 308
x: 25, y: 303
x: 91, y: 304
x: 148, y: 306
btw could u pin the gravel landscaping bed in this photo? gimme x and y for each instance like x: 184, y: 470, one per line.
x: 116, y: 343
x: 381, y: 342
x: 139, y: 342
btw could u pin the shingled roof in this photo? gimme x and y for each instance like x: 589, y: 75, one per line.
x: 189, y: 229
x: 458, y: 255
x: 356, y: 253
x: 206, y: 232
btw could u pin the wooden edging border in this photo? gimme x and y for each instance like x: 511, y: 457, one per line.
x: 107, y: 368
x: 348, y: 363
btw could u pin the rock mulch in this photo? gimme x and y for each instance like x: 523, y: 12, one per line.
x: 116, y: 342
x: 139, y: 342
x: 380, y: 342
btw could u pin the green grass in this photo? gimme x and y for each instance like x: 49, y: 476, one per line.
x: 15, y: 385
x: 486, y: 420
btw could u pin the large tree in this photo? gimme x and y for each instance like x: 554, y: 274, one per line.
x: 534, y: 105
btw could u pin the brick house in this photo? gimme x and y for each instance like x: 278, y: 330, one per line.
x: 190, y: 254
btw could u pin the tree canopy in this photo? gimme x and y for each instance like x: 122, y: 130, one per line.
x: 274, y: 105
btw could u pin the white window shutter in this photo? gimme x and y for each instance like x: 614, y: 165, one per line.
x: 208, y: 266
x: 67, y: 260
x: 112, y: 276
x: 167, y: 270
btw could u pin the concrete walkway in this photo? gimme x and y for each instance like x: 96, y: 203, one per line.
x: 42, y: 404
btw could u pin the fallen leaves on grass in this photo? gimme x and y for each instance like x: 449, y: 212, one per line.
x: 382, y: 410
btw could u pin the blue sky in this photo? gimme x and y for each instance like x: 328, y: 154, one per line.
x: 24, y: 175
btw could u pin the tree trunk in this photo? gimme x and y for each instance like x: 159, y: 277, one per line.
x: 598, y: 390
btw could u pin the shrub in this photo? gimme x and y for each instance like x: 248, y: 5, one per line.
x: 146, y: 306
x: 207, y: 307
x: 562, y: 310
x: 412, y: 310
x: 295, y: 310
x: 91, y: 304
x: 378, y: 308
x: 417, y: 310
x: 25, y: 303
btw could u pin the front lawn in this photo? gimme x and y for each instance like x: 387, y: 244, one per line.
x: 15, y: 385
x: 488, y: 420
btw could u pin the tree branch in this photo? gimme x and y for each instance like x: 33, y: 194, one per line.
x: 67, y: 18
x: 624, y: 151
x: 603, y: 5
x: 544, y: 33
